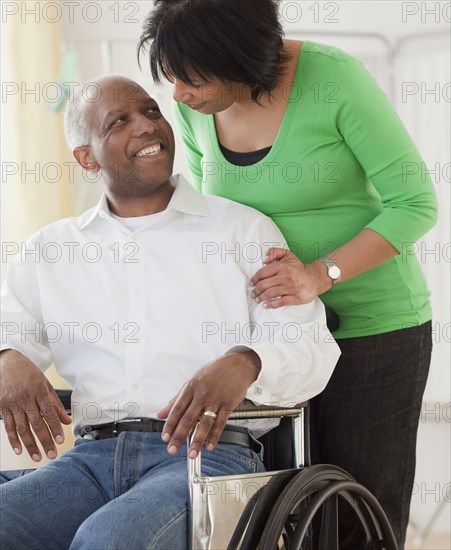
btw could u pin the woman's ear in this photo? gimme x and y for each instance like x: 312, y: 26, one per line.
x: 85, y: 159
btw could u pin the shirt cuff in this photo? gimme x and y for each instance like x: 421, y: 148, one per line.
x: 260, y: 391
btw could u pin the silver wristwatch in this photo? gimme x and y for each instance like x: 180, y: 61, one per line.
x: 333, y: 270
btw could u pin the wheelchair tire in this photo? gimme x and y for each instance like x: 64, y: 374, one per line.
x: 305, y: 515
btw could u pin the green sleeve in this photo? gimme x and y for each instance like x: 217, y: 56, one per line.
x: 366, y: 120
x: 192, y: 153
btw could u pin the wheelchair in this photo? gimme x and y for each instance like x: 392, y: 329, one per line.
x: 294, y: 505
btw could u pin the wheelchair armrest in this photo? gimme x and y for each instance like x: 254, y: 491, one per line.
x: 65, y: 398
x: 247, y: 409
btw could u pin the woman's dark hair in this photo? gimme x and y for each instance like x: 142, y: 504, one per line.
x: 232, y: 40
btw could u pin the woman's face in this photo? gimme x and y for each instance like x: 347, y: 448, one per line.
x: 209, y: 97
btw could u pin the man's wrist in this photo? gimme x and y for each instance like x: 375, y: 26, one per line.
x: 5, y: 355
x: 250, y: 360
x: 11, y: 353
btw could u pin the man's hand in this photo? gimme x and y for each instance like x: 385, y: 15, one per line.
x: 27, y: 400
x: 219, y: 387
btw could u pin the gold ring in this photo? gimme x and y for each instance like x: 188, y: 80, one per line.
x: 210, y: 413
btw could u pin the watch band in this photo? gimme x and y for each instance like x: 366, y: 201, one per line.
x: 333, y: 271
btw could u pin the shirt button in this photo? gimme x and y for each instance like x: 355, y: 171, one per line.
x: 135, y: 238
x: 135, y: 387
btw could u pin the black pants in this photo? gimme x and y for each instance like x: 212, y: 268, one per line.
x: 366, y: 420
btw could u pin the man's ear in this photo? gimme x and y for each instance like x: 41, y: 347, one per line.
x: 85, y: 159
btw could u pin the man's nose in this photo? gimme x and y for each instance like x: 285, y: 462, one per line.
x: 182, y: 92
x: 145, y: 125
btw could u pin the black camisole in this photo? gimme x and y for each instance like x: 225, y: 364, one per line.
x: 244, y: 159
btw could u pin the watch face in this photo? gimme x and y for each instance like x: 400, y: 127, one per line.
x: 334, y: 272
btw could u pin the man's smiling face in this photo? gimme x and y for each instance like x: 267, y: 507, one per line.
x: 131, y: 141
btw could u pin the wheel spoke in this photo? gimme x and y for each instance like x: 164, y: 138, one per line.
x: 328, y: 537
x: 305, y: 515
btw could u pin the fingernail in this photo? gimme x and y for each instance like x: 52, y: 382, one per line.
x: 172, y: 450
x: 17, y: 450
x: 265, y: 304
x: 51, y: 455
x: 165, y: 437
x: 36, y: 457
x: 253, y: 295
x: 192, y: 454
x: 210, y: 447
x: 59, y: 439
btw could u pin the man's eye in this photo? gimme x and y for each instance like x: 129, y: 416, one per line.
x: 118, y: 121
x: 154, y: 113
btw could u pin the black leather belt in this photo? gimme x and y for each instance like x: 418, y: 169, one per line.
x: 230, y: 436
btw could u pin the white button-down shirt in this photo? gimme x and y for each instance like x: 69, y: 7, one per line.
x: 129, y: 311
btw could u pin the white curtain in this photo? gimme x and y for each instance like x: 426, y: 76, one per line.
x: 423, y: 95
x: 36, y: 188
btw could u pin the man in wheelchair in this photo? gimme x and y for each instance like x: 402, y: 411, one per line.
x: 145, y: 306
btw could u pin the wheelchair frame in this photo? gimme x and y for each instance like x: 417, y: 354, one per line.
x: 295, y: 508
x: 290, y: 509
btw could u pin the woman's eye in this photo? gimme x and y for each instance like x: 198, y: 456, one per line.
x: 198, y: 85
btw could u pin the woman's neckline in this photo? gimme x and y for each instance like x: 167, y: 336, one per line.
x: 284, y: 127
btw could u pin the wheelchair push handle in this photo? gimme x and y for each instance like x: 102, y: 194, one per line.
x: 247, y: 409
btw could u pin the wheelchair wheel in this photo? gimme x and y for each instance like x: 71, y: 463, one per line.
x: 305, y: 515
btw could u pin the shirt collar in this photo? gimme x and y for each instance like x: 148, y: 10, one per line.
x: 185, y: 199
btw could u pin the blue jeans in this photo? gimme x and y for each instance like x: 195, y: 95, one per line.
x: 123, y: 493
x: 8, y: 475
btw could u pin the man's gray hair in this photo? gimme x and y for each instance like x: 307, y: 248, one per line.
x: 76, y: 124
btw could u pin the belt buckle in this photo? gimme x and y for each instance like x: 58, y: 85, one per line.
x: 114, y: 430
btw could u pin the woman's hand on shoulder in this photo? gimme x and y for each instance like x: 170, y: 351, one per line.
x: 285, y: 280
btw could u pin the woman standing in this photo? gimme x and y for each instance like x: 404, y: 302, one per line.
x: 302, y: 132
